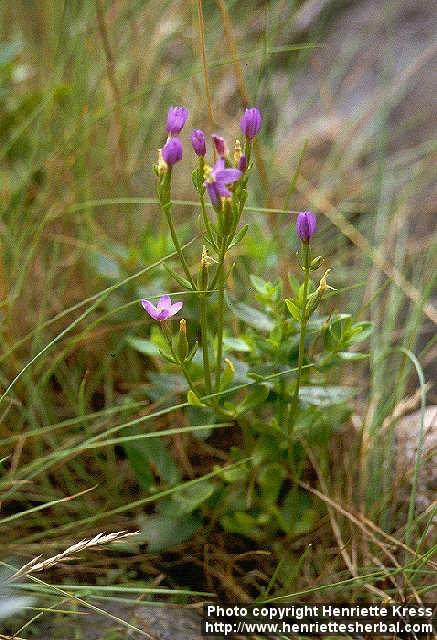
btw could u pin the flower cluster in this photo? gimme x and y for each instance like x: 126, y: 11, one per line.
x: 224, y: 172
x: 217, y: 180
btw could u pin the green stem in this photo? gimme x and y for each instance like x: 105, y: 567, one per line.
x: 165, y: 201
x: 205, y: 350
x: 205, y: 218
x: 220, y: 313
x: 303, y: 329
x: 201, y: 191
x: 187, y: 376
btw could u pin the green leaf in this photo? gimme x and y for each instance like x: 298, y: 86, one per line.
x: 167, y: 356
x: 236, y: 344
x: 293, y: 309
x: 192, y: 497
x: 294, y: 283
x: 105, y: 266
x: 228, y: 374
x: 361, y: 331
x: 138, y: 460
x: 251, y: 316
x: 260, y: 285
x: 194, y: 400
x: 192, y: 352
x: 242, y: 523
x: 239, y: 236
x: 143, y: 346
x: 297, y: 515
x: 150, y: 455
x: 236, y: 474
x: 270, y: 480
x: 266, y: 448
x: 325, y: 396
x: 352, y: 356
x: 179, y: 279
x: 163, y: 532
x: 253, y: 399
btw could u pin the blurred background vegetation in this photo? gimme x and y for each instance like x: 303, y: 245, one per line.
x: 346, y: 93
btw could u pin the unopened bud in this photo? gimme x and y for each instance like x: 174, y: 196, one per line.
x: 220, y: 145
x: 316, y: 263
x: 237, y: 152
x: 182, y: 340
x: 202, y: 277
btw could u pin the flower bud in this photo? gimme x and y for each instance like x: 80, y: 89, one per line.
x: 172, y: 151
x: 237, y: 152
x: 316, y: 263
x: 242, y: 164
x: 182, y: 340
x: 306, y: 225
x: 202, y: 277
x: 251, y: 122
x: 198, y: 142
x: 176, y: 118
x: 220, y: 145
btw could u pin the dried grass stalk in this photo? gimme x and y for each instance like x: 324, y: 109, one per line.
x: 101, y: 538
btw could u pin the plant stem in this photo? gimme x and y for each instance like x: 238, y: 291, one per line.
x: 187, y: 376
x: 303, y: 328
x: 205, y: 351
x: 165, y: 201
x: 201, y: 191
x: 220, y: 313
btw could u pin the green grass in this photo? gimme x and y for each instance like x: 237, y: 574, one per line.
x: 81, y: 238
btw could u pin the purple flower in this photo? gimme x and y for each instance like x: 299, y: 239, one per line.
x: 251, y: 122
x: 306, y: 225
x: 242, y: 164
x: 218, y: 178
x: 176, y: 118
x: 198, y: 142
x: 163, y: 310
x: 172, y: 151
x: 220, y: 145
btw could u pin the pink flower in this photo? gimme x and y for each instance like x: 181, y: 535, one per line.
x: 220, y: 145
x: 172, y: 151
x: 306, y: 225
x: 163, y: 310
x: 176, y: 118
x: 251, y: 122
x: 218, y: 179
x: 198, y: 142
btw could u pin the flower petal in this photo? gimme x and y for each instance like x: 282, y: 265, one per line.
x: 177, y: 306
x: 163, y: 314
x: 164, y: 303
x: 150, y: 308
x: 213, y: 192
x: 219, y: 166
x: 228, y: 175
x: 222, y: 191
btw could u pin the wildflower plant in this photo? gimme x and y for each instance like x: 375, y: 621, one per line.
x: 273, y: 383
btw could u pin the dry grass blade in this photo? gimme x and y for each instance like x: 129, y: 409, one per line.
x: 99, y: 539
x: 364, y: 523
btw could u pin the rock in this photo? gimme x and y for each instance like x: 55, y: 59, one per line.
x: 407, y: 438
x: 158, y: 622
